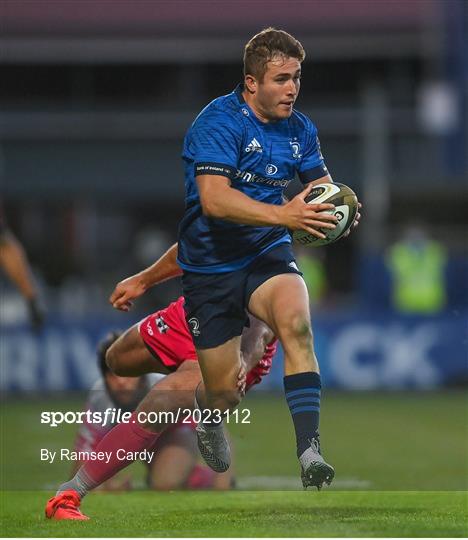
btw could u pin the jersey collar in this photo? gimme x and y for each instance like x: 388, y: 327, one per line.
x: 238, y: 91
x: 245, y: 107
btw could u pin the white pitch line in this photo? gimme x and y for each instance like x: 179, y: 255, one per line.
x: 266, y: 483
x: 294, y: 482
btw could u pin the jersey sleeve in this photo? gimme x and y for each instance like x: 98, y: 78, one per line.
x: 215, y: 144
x: 312, y: 165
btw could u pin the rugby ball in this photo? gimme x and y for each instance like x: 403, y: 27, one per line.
x: 346, y: 207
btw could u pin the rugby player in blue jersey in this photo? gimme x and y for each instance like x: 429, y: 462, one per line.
x: 240, y: 153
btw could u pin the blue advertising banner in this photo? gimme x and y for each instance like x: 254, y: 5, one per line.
x: 362, y: 352
x: 355, y: 350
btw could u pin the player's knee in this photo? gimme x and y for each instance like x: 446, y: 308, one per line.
x: 232, y: 399
x: 300, y: 329
x: 225, y: 400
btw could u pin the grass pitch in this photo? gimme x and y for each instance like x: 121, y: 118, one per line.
x: 249, y: 514
x: 404, y: 455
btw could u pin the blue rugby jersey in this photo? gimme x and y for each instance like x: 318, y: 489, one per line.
x: 260, y: 159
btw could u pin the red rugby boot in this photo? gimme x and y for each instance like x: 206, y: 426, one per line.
x: 65, y: 505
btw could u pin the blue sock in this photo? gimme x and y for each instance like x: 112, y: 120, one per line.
x: 303, y: 396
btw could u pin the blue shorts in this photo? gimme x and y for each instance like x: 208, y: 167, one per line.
x: 216, y: 304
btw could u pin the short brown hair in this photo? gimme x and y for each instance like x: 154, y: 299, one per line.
x: 267, y: 44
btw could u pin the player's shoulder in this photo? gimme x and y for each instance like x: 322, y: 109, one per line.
x: 301, y: 121
x: 224, y: 110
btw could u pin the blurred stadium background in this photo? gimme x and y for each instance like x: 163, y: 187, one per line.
x: 94, y: 103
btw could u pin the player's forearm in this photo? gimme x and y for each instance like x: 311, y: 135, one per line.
x: 13, y: 261
x: 164, y: 268
x: 327, y: 179
x: 232, y: 205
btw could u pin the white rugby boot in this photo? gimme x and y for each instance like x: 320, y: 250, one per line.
x: 214, y: 447
x: 315, y: 471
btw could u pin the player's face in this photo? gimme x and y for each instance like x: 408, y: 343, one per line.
x: 275, y: 95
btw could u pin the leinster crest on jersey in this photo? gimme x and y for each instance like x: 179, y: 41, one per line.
x: 194, y: 326
x: 296, y: 149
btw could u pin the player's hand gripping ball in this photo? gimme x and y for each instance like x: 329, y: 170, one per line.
x: 346, y: 208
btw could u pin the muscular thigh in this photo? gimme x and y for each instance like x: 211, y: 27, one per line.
x: 128, y: 356
x: 280, y: 302
x: 220, y: 365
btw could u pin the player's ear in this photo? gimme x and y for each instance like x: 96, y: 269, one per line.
x: 250, y: 83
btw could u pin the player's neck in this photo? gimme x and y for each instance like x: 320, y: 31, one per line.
x: 251, y: 102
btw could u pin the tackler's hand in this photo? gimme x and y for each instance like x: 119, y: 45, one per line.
x: 125, y: 291
x: 242, y: 379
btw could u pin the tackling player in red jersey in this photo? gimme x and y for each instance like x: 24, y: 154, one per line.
x: 162, y: 342
x: 173, y: 461
x: 159, y: 343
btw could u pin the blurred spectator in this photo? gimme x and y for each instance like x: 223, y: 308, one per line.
x: 417, y: 266
x: 14, y: 262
